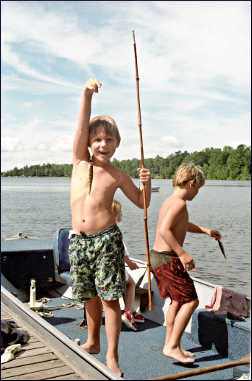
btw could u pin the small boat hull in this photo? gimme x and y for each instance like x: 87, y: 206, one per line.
x: 206, y: 334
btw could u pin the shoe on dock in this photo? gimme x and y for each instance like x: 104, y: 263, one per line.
x: 128, y: 320
x: 138, y: 318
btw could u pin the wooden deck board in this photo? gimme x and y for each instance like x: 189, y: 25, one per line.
x: 34, y: 352
x: 31, y: 368
x: 33, y: 345
x: 33, y: 339
x: 42, y: 374
x: 27, y: 360
x: 67, y: 377
x: 36, y: 361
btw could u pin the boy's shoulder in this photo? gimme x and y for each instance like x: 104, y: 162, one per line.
x: 174, y: 202
x: 81, y: 167
x: 120, y: 176
x: 118, y: 171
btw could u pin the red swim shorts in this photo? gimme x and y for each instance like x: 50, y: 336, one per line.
x: 171, y: 279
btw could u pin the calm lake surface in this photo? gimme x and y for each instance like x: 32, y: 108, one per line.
x: 39, y: 206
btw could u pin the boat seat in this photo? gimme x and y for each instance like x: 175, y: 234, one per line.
x: 61, y: 246
x: 227, y: 337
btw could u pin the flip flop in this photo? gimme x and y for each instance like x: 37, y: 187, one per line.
x: 9, y: 353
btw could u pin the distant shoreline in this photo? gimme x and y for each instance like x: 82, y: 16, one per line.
x: 65, y: 177
x: 217, y: 164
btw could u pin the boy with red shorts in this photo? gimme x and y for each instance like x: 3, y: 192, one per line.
x: 170, y: 262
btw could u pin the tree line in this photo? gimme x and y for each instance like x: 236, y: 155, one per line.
x: 217, y: 164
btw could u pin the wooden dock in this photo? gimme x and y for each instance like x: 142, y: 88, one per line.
x: 48, y: 355
x: 36, y: 361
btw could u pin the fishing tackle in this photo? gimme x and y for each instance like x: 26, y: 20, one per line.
x: 90, y: 173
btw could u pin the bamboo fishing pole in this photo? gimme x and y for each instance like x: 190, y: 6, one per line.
x: 208, y: 369
x: 142, y: 165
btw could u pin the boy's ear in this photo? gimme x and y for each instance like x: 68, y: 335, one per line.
x: 190, y: 183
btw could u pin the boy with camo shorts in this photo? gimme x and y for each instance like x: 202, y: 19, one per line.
x: 96, y: 248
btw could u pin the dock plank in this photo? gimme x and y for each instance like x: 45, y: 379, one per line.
x: 34, y: 352
x: 67, y: 377
x: 27, y: 360
x: 33, y: 339
x: 31, y: 368
x: 43, y: 374
x: 36, y: 360
x: 33, y: 345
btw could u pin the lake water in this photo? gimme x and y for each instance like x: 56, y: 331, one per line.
x: 39, y: 206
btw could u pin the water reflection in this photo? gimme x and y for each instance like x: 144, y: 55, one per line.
x: 39, y: 206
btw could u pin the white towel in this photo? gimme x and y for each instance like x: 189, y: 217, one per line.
x: 9, y: 353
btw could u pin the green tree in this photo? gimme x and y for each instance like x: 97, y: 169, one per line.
x: 236, y: 161
x: 229, y: 163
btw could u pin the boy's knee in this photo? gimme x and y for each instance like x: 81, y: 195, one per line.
x: 195, y: 303
x: 94, y: 299
x: 110, y: 303
x: 176, y: 304
x: 130, y: 280
x: 130, y: 283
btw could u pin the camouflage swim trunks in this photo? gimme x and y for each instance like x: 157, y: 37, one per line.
x: 97, y: 265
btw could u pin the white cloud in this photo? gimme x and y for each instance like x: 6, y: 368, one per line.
x: 171, y: 140
x: 205, y: 39
x: 13, y: 60
x: 28, y: 105
x: 194, y: 63
x: 63, y: 144
x: 11, y: 144
x: 42, y: 147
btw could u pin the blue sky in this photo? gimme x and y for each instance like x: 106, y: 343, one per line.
x: 194, y: 61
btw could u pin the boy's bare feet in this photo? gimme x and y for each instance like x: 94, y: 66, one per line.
x: 176, y: 354
x: 187, y: 353
x: 112, y: 364
x: 92, y: 349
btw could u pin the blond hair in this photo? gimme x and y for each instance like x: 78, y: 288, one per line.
x: 187, y: 172
x: 116, y: 207
x: 105, y: 122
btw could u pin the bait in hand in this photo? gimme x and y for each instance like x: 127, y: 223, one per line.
x: 222, y: 249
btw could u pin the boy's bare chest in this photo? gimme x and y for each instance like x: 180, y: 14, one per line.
x: 182, y: 220
x: 101, y: 180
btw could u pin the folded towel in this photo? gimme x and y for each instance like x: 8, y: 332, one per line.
x: 9, y: 353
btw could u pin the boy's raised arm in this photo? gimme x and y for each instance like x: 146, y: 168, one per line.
x: 80, y: 144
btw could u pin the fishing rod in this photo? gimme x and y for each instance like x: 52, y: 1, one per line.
x: 142, y: 164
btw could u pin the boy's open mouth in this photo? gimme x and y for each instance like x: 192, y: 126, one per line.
x: 103, y: 153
